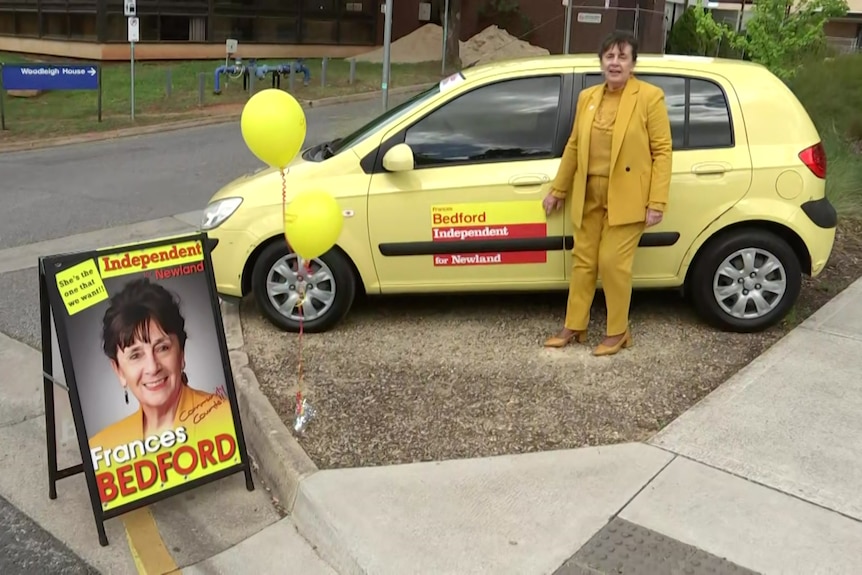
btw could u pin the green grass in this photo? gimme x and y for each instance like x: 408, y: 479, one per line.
x: 66, y: 113
x: 831, y: 91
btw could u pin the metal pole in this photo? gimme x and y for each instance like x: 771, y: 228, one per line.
x: 568, y: 33
x: 387, y: 49
x: 133, y: 78
x: 445, y: 36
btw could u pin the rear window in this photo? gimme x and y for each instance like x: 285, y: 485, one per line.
x: 700, y: 117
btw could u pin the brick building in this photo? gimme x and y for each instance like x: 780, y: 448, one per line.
x: 191, y: 29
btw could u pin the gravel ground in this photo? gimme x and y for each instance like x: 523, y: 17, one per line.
x: 428, y: 378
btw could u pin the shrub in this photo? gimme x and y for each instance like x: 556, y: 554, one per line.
x: 831, y: 91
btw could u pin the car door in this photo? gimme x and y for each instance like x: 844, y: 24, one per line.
x: 469, y: 214
x: 711, y: 166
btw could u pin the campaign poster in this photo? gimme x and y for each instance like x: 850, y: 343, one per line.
x: 143, y: 350
x: 455, y: 226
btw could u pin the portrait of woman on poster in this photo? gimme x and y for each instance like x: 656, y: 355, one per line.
x: 144, y: 337
x: 616, y: 172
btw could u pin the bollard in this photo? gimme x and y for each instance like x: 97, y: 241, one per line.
x: 292, y: 75
x: 324, y: 64
x: 202, y: 80
x: 168, y: 83
x: 251, y: 78
x: 352, y: 70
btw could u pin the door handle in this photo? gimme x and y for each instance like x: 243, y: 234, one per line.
x: 529, y: 180
x: 710, y: 168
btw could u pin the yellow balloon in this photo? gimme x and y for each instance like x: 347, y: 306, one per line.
x: 312, y: 223
x: 273, y: 127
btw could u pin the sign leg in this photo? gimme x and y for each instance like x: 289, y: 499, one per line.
x: 48, y: 385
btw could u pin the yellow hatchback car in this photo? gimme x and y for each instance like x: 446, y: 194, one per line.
x: 443, y: 194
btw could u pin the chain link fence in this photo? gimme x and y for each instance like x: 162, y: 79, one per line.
x: 592, y: 20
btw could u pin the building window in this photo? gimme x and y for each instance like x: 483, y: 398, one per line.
x: 7, y: 23
x: 357, y: 31
x: 319, y: 31
x: 55, y: 25
x: 82, y: 27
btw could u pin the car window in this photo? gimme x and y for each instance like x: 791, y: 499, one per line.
x: 708, y: 116
x: 504, y: 121
x: 674, y: 99
x: 709, y: 123
x: 372, y: 126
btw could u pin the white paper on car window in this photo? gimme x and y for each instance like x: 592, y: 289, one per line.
x: 452, y: 81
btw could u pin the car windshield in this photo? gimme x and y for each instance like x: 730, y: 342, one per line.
x: 373, y: 125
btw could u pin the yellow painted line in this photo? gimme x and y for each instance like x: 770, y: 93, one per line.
x: 145, y: 542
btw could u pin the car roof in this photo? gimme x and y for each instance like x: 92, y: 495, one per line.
x: 669, y: 62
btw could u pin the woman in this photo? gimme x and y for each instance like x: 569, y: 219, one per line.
x: 144, y: 338
x: 617, y: 169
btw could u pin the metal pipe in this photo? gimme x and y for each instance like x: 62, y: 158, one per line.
x: 568, y: 34
x: 445, y: 35
x: 387, y: 53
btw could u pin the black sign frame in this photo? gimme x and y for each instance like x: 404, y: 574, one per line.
x: 49, y: 301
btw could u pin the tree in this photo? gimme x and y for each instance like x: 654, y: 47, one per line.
x: 783, y: 33
x: 453, y: 36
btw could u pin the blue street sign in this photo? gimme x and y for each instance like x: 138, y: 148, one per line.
x: 50, y: 77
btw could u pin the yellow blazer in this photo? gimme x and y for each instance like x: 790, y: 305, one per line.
x: 203, y: 415
x: 641, y: 154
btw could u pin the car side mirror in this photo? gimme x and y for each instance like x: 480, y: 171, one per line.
x: 398, y: 159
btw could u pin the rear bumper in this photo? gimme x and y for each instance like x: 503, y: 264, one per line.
x: 821, y: 212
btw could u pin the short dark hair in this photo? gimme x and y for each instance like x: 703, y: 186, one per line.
x: 130, y: 312
x: 619, y: 38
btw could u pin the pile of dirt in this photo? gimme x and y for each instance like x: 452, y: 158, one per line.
x: 426, y: 45
x: 495, y: 44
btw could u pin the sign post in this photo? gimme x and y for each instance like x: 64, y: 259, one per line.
x: 568, y: 30
x: 134, y: 33
x: 445, y: 34
x: 387, y: 52
x: 143, y: 356
x: 49, y: 77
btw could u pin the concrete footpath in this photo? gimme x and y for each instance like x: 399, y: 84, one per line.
x: 762, y: 476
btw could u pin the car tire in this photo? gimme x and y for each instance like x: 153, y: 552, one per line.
x: 334, y: 265
x: 709, y: 284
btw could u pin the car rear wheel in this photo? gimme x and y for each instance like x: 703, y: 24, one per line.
x: 279, y: 276
x: 746, y: 281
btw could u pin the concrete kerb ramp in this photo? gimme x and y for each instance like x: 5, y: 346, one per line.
x: 276, y: 454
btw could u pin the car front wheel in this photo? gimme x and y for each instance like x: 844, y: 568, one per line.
x: 746, y: 281
x: 279, y: 278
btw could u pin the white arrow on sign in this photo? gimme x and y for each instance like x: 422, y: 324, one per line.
x: 92, y: 71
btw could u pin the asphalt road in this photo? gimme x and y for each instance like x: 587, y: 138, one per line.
x: 53, y: 193
x: 59, y: 192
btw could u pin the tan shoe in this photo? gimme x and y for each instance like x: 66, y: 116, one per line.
x: 624, y: 342
x: 563, y: 341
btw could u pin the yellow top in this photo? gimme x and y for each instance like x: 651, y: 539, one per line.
x: 601, y: 134
x: 201, y: 413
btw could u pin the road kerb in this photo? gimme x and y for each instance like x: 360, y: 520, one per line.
x: 281, y: 461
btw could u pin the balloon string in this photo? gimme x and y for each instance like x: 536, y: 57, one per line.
x: 283, y: 193
x: 299, y: 406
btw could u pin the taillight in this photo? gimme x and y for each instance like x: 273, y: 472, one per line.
x: 815, y: 158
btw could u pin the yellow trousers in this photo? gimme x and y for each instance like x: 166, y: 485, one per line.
x: 601, y: 251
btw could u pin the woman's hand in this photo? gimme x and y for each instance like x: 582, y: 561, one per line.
x: 653, y: 217
x: 551, y: 203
